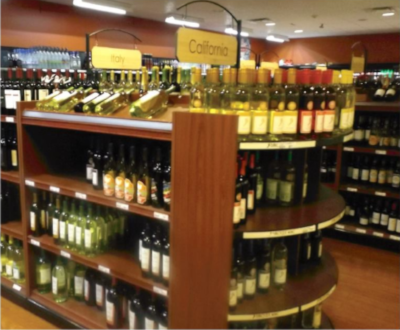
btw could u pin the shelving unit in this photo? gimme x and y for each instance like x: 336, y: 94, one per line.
x: 13, y: 229
x: 11, y: 176
x: 18, y: 288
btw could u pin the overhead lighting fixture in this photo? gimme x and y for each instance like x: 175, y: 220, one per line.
x: 183, y: 22
x: 232, y: 31
x: 298, y: 31
x: 107, y: 9
x: 270, y: 24
x: 388, y: 14
x: 277, y: 38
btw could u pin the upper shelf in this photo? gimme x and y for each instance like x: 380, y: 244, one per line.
x: 336, y: 139
x: 13, y: 228
x: 378, y: 106
x: 10, y: 176
x: 8, y: 119
x: 277, y: 221
x: 372, y: 150
x: 311, y: 287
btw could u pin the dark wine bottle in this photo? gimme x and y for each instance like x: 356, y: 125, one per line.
x: 250, y: 280
x: 113, y: 308
x: 264, y: 267
x: 156, y: 188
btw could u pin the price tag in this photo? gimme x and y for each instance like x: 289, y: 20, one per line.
x: 161, y: 216
x: 80, y: 195
x: 65, y: 254
x: 381, y: 152
x: 337, y: 226
x: 348, y: 137
x: 395, y: 238
x: 54, y: 189
x: 348, y: 149
x: 34, y: 242
x: 380, y: 193
x: 9, y: 119
x: 122, y: 206
x: 352, y: 189
x: 361, y: 231
x: 30, y: 183
x: 16, y: 287
x: 276, y: 145
x: 160, y: 291
x: 377, y: 234
x: 104, y: 269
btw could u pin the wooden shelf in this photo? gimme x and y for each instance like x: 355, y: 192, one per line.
x: 80, y: 189
x: 13, y: 228
x: 302, y: 292
x: 10, y: 176
x: 378, y: 106
x: 277, y: 221
x: 370, y: 190
x: 17, y: 288
x: 349, y: 226
x: 120, y: 264
x: 8, y: 119
x: 88, y: 317
x: 372, y: 150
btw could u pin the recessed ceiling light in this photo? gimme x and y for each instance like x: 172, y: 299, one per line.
x: 298, y: 31
x: 230, y: 30
x: 277, y: 38
x: 107, y: 9
x: 387, y: 14
x: 270, y: 24
x: 183, y: 22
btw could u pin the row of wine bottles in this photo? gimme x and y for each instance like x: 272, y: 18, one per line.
x: 123, y: 304
x: 12, y: 259
x: 10, y: 202
x: 380, y: 88
x: 373, y: 211
x: 307, y: 319
x: 381, y: 171
x: 309, y: 103
x: 255, y: 268
x: 9, y: 147
x: 377, y: 131
x: 328, y: 166
x: 143, y: 178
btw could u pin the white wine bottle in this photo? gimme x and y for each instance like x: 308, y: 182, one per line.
x: 43, y: 273
x: 59, y: 281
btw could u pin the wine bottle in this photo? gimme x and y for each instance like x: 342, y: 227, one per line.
x: 382, y: 172
x: 253, y: 179
x: 10, y: 257
x: 365, y: 170
x: 41, y: 89
x: 115, y: 102
x: 131, y: 177
x: 197, y: 92
x: 286, y: 184
x: 316, y: 246
x: 276, y: 108
x: 143, y: 184
x: 245, y: 189
x: 273, y: 180
x: 71, y: 223
x: 250, y: 272
x: 319, y: 102
x: 240, y: 263
x: 101, y: 231
x: 90, y: 288
x: 384, y: 220
x: 97, y: 171
x: 292, y: 99
x: 144, y: 84
x: 43, y: 208
x: 212, y: 91
x: 374, y: 137
x: 156, y: 246
x: 376, y: 213
x: 145, y: 251
x: 90, y: 233
x: 279, y: 264
x: 393, y: 218
x: 34, y: 216
x: 330, y: 102
x: 89, y: 106
x: 305, y: 252
x: 120, y: 174
x: 79, y: 278
x: 80, y: 229
x: 136, y: 313
x: 258, y: 105
x: 5, y: 150
x: 113, y: 310
x: 373, y: 173
x: 356, y: 169
x: 364, y: 213
x: 156, y: 183
x: 64, y: 222
x: 396, y: 176
x: 155, y: 79
x: 59, y: 282
x: 18, y: 263
x: 150, y: 315
x: 163, y: 314
x: 264, y: 267
x: 233, y: 299
x: 165, y: 260
x: 43, y: 273
x: 166, y: 182
x: 109, y: 173
x: 3, y: 254
x: 237, y: 199
x: 100, y: 291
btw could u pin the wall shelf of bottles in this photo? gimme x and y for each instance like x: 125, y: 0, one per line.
x: 19, y: 289
x: 296, y: 220
x: 297, y: 295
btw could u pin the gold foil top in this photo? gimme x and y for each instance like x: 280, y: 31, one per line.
x: 196, y: 75
x: 234, y: 72
x: 246, y: 76
x: 213, y: 75
x: 335, y: 77
x: 292, y: 76
x: 278, y: 76
x: 263, y: 75
x: 226, y: 76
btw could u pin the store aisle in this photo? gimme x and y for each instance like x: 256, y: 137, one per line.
x: 369, y: 284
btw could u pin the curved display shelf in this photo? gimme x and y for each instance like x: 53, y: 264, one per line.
x: 310, y: 288
x: 337, y: 139
x: 277, y: 221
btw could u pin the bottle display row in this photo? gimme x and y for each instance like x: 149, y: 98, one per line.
x: 381, y: 213
x: 308, y: 319
x: 10, y: 202
x: 260, y: 264
x: 379, y: 88
x: 377, y: 131
x: 12, y: 259
x: 328, y: 166
x: 123, y: 304
x: 301, y: 104
x: 374, y: 171
x: 9, y: 147
x: 143, y: 178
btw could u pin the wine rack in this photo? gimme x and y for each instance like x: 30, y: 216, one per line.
x: 204, y: 151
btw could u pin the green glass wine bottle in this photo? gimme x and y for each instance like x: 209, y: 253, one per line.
x: 79, y: 277
x: 18, y: 263
x: 80, y: 229
x: 56, y: 220
x: 71, y: 222
x: 3, y: 248
x: 64, y: 222
x: 101, y: 230
x: 43, y: 273
x: 10, y: 258
x: 90, y: 233
x: 59, y: 281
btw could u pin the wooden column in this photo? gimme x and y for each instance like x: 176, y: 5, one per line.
x: 203, y: 182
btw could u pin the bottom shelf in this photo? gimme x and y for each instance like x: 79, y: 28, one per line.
x: 17, y: 288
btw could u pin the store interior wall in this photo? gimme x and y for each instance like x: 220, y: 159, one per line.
x: 27, y: 23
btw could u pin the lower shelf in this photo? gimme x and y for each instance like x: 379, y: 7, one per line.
x: 13, y: 229
x: 17, y: 288
x: 308, y: 289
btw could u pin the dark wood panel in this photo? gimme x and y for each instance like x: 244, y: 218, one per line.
x: 10, y: 176
x: 17, y: 288
x: 371, y: 150
x: 120, y: 264
x: 13, y: 228
x: 370, y: 190
x: 378, y: 106
x: 203, y: 178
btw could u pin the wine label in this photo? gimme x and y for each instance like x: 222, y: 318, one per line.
x: 280, y: 276
x: 275, y: 120
x: 286, y: 189
x: 364, y: 221
x: 305, y: 123
x: 145, y: 259
x: 356, y: 173
x: 167, y: 192
x: 263, y: 279
x: 155, y: 263
x: 27, y: 95
x: 89, y: 172
x: 87, y: 290
x: 14, y: 158
x: 88, y: 238
x: 380, y: 92
x: 129, y: 191
x: 233, y: 299
x: 240, y: 288
x: 142, y: 195
x: 249, y: 286
x: 55, y: 228
x: 140, y: 250
x: 90, y: 97
x: 71, y: 233
x: 78, y: 236
x: 110, y: 311
x: 165, y: 266
x: 373, y: 140
x: 16, y: 274
x: 32, y: 218
x: 344, y: 118
x: 259, y: 123
x: 244, y: 124
x: 54, y: 285
x: 352, y: 212
x: 350, y: 172
x: 384, y: 219
x: 365, y: 175
x: 42, y: 94
x: 95, y: 177
x: 373, y: 176
x: 359, y: 135
x: 396, y: 180
x: 153, y: 190
x: 99, y: 295
x: 44, y: 276
x: 324, y: 170
x: 243, y: 208
x: 319, y: 250
x: 250, y: 200
x: 236, y: 212
x: 318, y: 121
x: 148, y: 324
x: 289, y: 122
x: 305, y: 187
x: 120, y: 187
x: 398, y: 226
x: 162, y: 327
x: 382, y: 177
x: 62, y: 230
x: 376, y: 217
x: 9, y: 269
x: 272, y: 189
x: 43, y: 219
x: 392, y: 224
x: 78, y: 285
x: 329, y: 120
x: 109, y: 184
x: 132, y: 320
x: 260, y: 187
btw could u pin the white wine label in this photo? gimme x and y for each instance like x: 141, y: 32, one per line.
x: 161, y: 216
x: 272, y: 189
x: 65, y: 254
x: 132, y: 320
x: 34, y: 242
x: 260, y: 124
x: 45, y: 276
x: 16, y: 274
x: 233, y: 297
x: 361, y: 231
x: 319, y: 122
x: 384, y: 219
x: 364, y: 175
x: 86, y: 287
x: 286, y: 191
x: 89, y: 172
x: 380, y: 193
x: 145, y: 258
x: 54, y: 189
x: 395, y: 238
x: 16, y: 287
x: 306, y: 122
x: 71, y: 233
x: 80, y: 195
x: 236, y: 213
x: 364, y: 221
x: 32, y: 217
x: 249, y: 286
x: 381, y: 152
x: 240, y: 289
x: 250, y: 200
x: 280, y: 276
x: 122, y: 206
x: 155, y: 263
x: 263, y: 280
x: 244, y: 124
x: 165, y: 267
x: 350, y: 149
x: 29, y: 183
x: 54, y: 285
x: 160, y: 291
x: 398, y: 226
x: 95, y: 177
x: 289, y: 122
x: 62, y: 230
x: 375, y: 233
x: 243, y: 208
x: 329, y: 121
x: 148, y: 324
x: 356, y: 173
x: 9, y: 270
x: 110, y: 312
x: 260, y: 187
x: 359, y: 135
x: 140, y: 250
x: 78, y: 236
x: 376, y: 217
x: 42, y: 94
x: 9, y: 119
x: 27, y: 95
x: 99, y: 295
x: 88, y: 238
x: 78, y: 285
x: 352, y: 189
x: 352, y: 212
x: 104, y: 269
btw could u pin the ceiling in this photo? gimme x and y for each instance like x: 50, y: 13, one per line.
x: 315, y: 17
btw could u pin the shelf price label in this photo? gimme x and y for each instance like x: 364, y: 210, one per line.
x: 352, y: 189
x: 34, y: 242
x: 9, y: 119
x: 277, y: 145
x: 361, y: 231
x: 381, y: 152
x: 161, y: 216
x: 54, y: 189
x: 348, y: 137
x: 263, y: 316
x: 279, y: 233
x: 16, y: 287
x: 29, y: 183
x: 338, y: 226
x: 80, y: 195
x: 160, y: 291
x: 348, y: 149
x: 65, y: 254
x: 104, y: 269
x: 122, y: 206
x: 395, y: 238
x: 380, y: 193
x: 377, y: 234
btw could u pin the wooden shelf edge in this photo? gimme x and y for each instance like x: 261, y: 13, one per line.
x: 374, y: 191
x: 8, y: 119
x: 10, y: 176
x: 139, y: 280
x: 371, y: 150
x: 17, y: 288
x: 13, y: 228
x: 361, y: 230
x: 378, y: 106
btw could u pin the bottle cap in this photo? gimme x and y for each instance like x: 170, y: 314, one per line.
x: 316, y: 77
x: 212, y: 75
x: 246, y: 75
x: 234, y: 72
x: 263, y: 76
x: 226, y: 76
x: 291, y: 79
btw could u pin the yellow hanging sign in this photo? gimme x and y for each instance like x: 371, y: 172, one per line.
x: 115, y: 58
x: 193, y: 46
